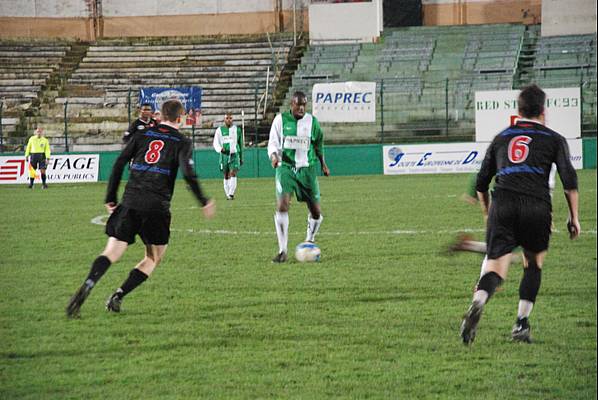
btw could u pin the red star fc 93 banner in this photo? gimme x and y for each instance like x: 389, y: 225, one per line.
x: 497, y: 110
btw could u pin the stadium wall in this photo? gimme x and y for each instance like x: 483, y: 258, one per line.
x: 133, y: 18
x: 342, y: 160
x: 572, y: 17
x: 457, y: 12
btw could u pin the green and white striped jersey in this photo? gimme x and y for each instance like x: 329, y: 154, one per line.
x: 229, y: 139
x: 298, y: 143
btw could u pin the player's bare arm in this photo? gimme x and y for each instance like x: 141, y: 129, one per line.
x: 110, y: 207
x: 325, y: 169
x: 274, y: 160
x: 573, y: 225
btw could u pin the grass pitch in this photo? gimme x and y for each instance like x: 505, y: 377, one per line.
x: 377, y: 318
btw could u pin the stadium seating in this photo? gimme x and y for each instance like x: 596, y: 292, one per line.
x: 429, y: 75
x: 231, y: 72
x: 416, y: 68
x: 25, y: 68
x: 111, y: 73
x: 566, y: 61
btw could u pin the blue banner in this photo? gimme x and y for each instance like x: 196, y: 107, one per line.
x: 189, y: 96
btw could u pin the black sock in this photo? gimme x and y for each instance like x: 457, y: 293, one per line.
x: 489, y: 282
x: 136, y: 278
x: 44, y: 179
x: 99, y: 266
x: 530, y: 284
x: 31, y: 180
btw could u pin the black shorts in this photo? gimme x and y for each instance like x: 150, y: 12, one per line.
x: 517, y: 220
x: 152, y: 226
x: 38, y: 160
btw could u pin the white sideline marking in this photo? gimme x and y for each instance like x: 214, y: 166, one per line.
x: 101, y: 220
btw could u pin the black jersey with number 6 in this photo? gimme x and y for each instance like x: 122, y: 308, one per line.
x: 155, y: 157
x: 521, y: 157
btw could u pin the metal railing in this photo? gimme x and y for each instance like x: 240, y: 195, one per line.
x: 408, y: 110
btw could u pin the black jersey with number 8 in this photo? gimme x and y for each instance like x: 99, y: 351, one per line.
x: 154, y: 158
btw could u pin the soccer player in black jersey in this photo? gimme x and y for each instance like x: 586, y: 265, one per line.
x: 520, y: 159
x: 141, y: 124
x: 155, y: 157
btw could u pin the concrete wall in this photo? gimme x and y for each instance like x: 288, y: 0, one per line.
x: 472, y: 12
x: 72, y: 18
x: 568, y: 17
x: 44, y: 8
x: 345, y: 21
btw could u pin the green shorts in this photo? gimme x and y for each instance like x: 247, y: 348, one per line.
x: 303, y: 182
x: 230, y: 162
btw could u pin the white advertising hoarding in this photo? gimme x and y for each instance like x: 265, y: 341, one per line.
x: 344, y: 102
x: 448, y: 158
x: 61, y: 168
x: 496, y: 110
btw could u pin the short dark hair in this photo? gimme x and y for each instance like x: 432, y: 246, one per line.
x: 146, y: 105
x: 530, y: 102
x: 298, y: 95
x: 171, y: 110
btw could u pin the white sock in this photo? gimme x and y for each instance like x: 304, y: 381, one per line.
x: 313, y: 225
x: 525, y: 308
x: 232, y: 186
x: 483, y: 269
x: 476, y: 247
x: 281, y: 221
x: 480, y: 296
x: 225, y: 184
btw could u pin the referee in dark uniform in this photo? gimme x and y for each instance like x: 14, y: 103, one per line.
x: 520, y: 157
x: 141, y: 124
x: 155, y: 157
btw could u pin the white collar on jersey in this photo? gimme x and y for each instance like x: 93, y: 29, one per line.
x: 535, y: 121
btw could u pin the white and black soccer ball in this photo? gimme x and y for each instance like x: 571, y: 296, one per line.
x: 307, y: 252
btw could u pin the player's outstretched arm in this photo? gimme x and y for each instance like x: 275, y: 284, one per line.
x: 186, y: 166
x: 573, y: 225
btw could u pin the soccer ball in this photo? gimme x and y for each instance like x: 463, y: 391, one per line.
x: 307, y: 252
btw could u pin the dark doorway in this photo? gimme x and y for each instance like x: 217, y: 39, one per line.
x: 402, y: 13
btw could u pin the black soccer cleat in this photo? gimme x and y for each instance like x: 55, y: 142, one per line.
x: 44, y: 186
x: 113, y: 303
x: 521, y: 331
x: 280, y: 257
x: 470, y: 322
x: 75, y: 303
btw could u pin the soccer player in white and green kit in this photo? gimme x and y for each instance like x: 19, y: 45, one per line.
x: 228, y: 141
x: 295, y: 146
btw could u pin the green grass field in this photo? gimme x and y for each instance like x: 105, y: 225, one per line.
x: 377, y: 318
